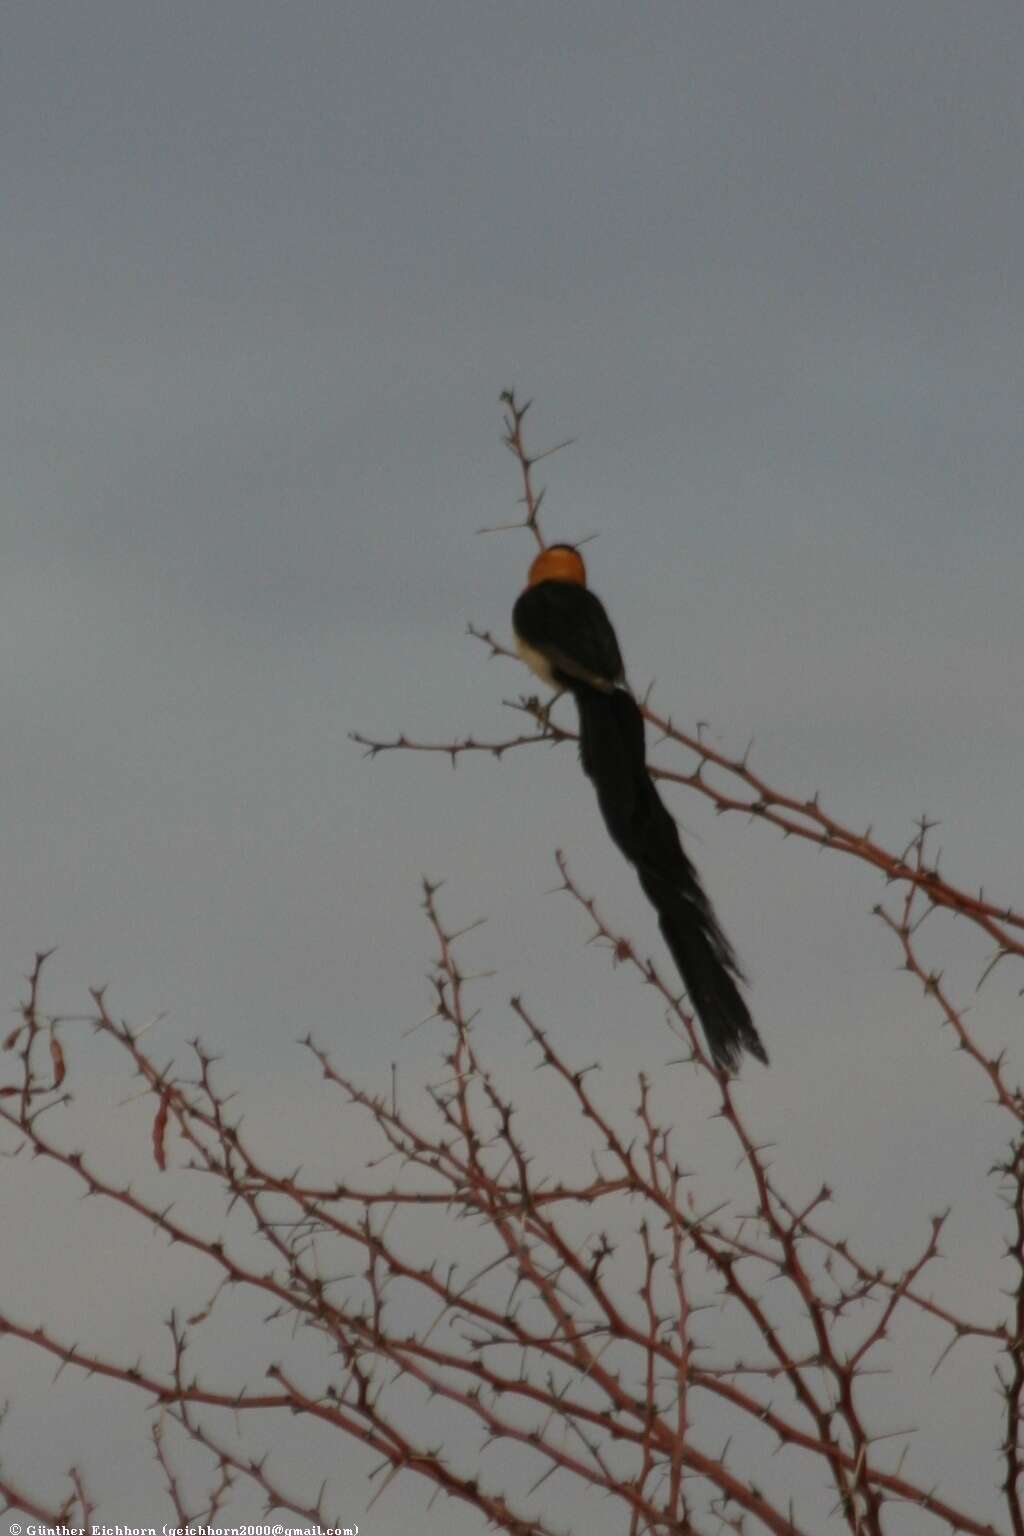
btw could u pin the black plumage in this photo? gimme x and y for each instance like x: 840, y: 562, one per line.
x: 613, y: 755
x: 566, y: 636
x: 567, y: 624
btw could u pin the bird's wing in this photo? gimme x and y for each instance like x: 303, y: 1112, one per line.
x: 569, y: 626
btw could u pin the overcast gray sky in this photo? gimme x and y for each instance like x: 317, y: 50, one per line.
x: 266, y: 270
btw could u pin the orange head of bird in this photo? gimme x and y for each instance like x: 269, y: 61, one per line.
x: 559, y: 562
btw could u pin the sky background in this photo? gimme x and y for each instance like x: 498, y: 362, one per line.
x: 266, y: 271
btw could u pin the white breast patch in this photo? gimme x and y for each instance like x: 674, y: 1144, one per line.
x: 537, y: 662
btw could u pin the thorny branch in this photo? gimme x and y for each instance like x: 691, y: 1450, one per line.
x: 592, y: 1321
x: 531, y: 500
x: 803, y: 818
x: 600, y: 1389
x: 732, y: 785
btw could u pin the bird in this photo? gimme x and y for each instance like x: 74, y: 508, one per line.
x: 565, y: 636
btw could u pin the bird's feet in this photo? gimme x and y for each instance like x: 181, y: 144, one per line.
x: 542, y: 712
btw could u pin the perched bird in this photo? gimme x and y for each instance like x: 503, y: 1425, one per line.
x: 564, y: 634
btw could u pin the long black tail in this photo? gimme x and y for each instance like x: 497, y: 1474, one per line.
x: 614, y: 757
